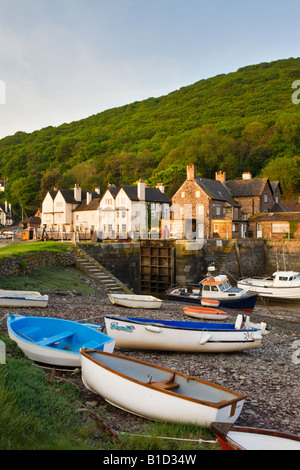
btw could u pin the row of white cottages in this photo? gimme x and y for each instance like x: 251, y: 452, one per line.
x: 120, y: 212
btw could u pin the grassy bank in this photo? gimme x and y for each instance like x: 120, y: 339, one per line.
x: 47, y: 280
x: 29, y: 248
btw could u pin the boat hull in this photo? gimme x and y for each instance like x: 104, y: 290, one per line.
x: 244, y: 303
x: 269, y: 292
x: 107, y: 377
x: 10, y: 298
x: 205, y: 313
x: 243, y: 438
x: 31, y: 333
x: 135, y: 301
x: 161, y: 335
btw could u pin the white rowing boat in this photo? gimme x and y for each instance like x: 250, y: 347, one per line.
x: 18, y: 298
x: 135, y: 301
x: 157, y: 393
x: 243, y: 438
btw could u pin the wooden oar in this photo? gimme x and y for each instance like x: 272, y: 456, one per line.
x: 25, y: 336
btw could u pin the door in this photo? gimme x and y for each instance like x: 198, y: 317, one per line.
x: 259, y: 230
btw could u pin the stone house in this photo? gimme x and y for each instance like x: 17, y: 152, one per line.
x: 204, y: 208
x: 255, y: 195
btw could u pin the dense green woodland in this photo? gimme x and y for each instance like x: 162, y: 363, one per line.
x: 242, y: 121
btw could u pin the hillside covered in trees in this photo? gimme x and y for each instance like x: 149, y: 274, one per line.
x: 241, y: 121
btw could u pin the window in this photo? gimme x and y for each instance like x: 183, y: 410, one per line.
x: 265, y: 198
x: 207, y: 288
x: 228, y: 210
x: 182, y: 194
x: 218, y: 210
x: 283, y: 227
x: 198, y: 194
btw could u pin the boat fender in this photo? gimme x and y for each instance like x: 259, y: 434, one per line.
x: 239, y: 323
x: 246, y: 322
x: 154, y: 329
x: 205, y: 338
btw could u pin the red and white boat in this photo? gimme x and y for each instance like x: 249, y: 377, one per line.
x: 243, y: 438
x: 205, y: 313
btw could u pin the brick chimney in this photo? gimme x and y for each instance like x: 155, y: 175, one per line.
x: 247, y: 175
x: 221, y: 176
x: 191, y: 172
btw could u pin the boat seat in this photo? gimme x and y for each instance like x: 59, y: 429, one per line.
x: 56, y: 338
x: 92, y: 344
x: 165, y: 385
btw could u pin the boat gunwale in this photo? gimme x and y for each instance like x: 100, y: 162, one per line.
x: 218, y: 405
x: 222, y: 429
x: 162, y: 325
x: 26, y: 340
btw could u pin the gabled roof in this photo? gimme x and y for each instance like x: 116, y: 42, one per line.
x: 216, y: 190
x: 274, y: 185
x: 53, y: 193
x: 244, y: 187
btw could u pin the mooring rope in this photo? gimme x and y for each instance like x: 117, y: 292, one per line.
x: 172, y: 438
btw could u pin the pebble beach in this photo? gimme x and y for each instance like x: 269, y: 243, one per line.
x: 269, y: 376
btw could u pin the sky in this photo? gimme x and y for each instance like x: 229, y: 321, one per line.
x: 65, y: 60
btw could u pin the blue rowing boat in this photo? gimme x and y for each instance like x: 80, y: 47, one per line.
x: 56, y: 341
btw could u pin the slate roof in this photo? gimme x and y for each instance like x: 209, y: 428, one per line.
x: 151, y: 194
x: 92, y: 206
x: 216, y: 190
x: 68, y: 195
x: 244, y: 188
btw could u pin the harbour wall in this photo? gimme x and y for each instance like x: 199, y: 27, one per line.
x: 23, y: 265
x: 235, y: 258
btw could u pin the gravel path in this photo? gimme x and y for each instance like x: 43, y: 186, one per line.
x: 269, y: 375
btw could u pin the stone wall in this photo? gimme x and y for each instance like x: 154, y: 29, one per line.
x: 283, y: 255
x: 122, y: 259
x: 233, y: 258
x: 20, y: 265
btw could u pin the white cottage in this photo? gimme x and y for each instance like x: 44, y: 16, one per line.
x: 58, y: 207
x: 133, y: 211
